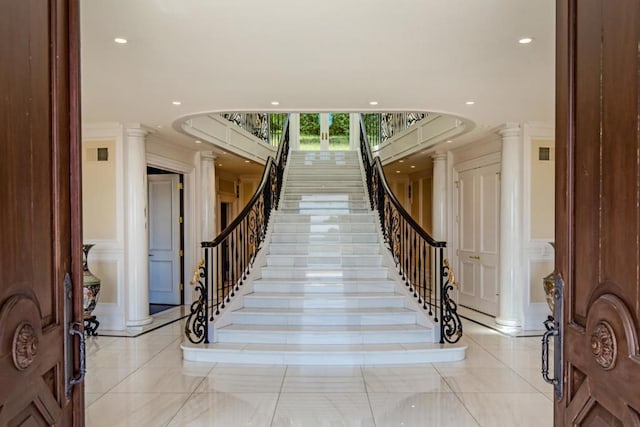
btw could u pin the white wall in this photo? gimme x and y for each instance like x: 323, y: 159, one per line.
x: 538, y: 221
x: 103, y: 219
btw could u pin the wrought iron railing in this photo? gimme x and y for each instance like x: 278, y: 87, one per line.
x: 229, y: 258
x: 419, y: 258
x: 380, y: 127
x: 266, y: 126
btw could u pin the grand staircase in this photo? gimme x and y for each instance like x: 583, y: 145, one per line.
x: 324, y: 291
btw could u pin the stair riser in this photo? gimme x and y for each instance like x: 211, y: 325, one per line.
x: 324, y: 228
x: 354, y: 301
x: 324, y: 319
x: 336, y: 175
x: 324, y: 198
x: 320, y: 238
x: 324, y: 211
x: 267, y: 337
x: 305, y: 274
x: 364, y: 288
x: 329, y: 206
x: 313, y: 183
x: 333, y: 261
x: 322, y: 219
x: 310, y: 249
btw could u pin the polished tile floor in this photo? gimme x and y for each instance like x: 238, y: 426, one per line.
x: 143, y: 381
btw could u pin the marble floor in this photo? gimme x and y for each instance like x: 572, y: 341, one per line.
x: 143, y: 381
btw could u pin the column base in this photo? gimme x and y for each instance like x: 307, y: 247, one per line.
x: 508, y: 322
x: 139, y: 322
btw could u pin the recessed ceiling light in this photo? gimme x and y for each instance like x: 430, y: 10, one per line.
x: 247, y: 161
x: 525, y: 40
x: 177, y: 103
x: 449, y: 141
x: 224, y: 152
x: 219, y: 164
x: 413, y: 166
x: 397, y: 171
x: 120, y: 40
x: 159, y: 126
x: 401, y: 161
x: 373, y: 102
x: 197, y: 141
x: 275, y: 103
x: 470, y: 102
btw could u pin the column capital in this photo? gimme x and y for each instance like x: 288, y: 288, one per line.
x: 208, y: 155
x: 510, y: 130
x: 439, y: 156
x: 135, y: 132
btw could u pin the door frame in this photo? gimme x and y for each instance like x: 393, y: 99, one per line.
x: 180, y: 230
x: 190, y: 242
x: 475, y: 163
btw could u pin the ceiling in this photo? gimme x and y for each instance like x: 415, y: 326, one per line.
x: 334, y: 55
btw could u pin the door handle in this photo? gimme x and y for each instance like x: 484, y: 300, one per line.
x: 554, y: 327
x: 545, y: 356
x: 76, y: 329
x: 474, y: 257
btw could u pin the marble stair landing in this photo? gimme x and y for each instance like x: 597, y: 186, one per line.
x: 323, y: 293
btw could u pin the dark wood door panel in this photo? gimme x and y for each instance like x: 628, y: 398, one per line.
x: 39, y: 187
x: 598, y: 220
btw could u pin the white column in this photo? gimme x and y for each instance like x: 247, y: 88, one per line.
x: 354, y: 131
x: 439, y: 197
x: 294, y: 131
x: 137, y: 238
x: 510, y: 235
x: 208, y: 224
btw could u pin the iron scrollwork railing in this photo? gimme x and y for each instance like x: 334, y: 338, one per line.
x: 266, y: 126
x: 228, y: 259
x: 380, y: 127
x: 420, y: 259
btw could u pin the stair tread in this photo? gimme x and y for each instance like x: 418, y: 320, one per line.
x: 325, y: 329
x: 324, y: 296
x: 325, y: 311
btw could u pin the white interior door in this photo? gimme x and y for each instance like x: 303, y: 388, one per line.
x: 478, y: 222
x: 164, y: 239
x: 324, y: 131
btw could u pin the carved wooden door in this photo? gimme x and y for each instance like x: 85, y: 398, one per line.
x: 39, y: 213
x: 598, y: 213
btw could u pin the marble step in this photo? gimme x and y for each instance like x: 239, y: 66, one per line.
x: 324, y: 286
x: 287, y: 204
x: 319, y: 181
x: 324, y: 238
x: 322, y: 219
x: 339, y: 172
x: 296, y: 161
x: 323, y: 248
x: 315, y: 197
x: 324, y: 261
x: 342, y: 194
x: 320, y: 170
x: 320, y: 273
x: 327, y: 211
x: 325, y: 316
x: 323, y: 300
x: 349, y: 227
x: 309, y: 354
x: 294, y: 334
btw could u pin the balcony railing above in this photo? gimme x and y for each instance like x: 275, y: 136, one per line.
x: 266, y: 126
x: 382, y: 126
